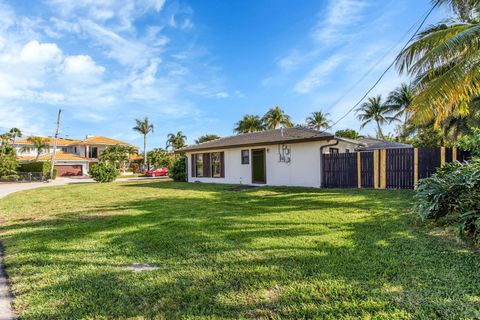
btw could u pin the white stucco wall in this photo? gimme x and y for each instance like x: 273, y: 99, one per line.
x: 303, y: 169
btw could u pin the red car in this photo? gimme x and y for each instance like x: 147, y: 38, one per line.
x: 157, y: 172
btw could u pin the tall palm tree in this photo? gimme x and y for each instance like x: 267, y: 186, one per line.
x: 249, y: 123
x: 374, y: 110
x: 399, y: 102
x: 16, y: 133
x: 318, y: 120
x: 444, y: 62
x: 144, y: 127
x: 176, y: 141
x: 39, y: 144
x: 276, y: 117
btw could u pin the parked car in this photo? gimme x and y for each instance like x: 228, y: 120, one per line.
x: 157, y: 172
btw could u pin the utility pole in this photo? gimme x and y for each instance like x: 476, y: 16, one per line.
x: 55, y: 144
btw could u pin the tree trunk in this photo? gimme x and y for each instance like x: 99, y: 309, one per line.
x: 145, y: 150
x: 380, y: 133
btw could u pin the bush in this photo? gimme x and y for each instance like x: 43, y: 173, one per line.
x: 40, y: 166
x: 453, y: 192
x: 10, y: 178
x: 104, y: 172
x: 8, y: 162
x: 471, y: 142
x: 178, y: 171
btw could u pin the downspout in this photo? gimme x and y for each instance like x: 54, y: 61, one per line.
x: 321, y: 159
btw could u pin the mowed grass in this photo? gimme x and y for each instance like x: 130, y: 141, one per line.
x: 262, y: 253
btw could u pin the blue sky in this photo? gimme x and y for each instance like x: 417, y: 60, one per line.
x: 195, y: 66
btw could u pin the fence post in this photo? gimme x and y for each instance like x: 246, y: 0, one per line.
x: 383, y: 169
x: 442, y: 156
x: 359, y: 170
x: 375, y: 169
x: 415, y: 167
x: 454, y: 154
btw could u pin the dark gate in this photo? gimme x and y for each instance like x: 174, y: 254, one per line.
x: 429, y: 159
x: 339, y: 170
x: 367, y: 169
x: 399, y: 170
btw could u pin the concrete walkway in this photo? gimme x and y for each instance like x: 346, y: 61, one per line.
x: 6, y: 312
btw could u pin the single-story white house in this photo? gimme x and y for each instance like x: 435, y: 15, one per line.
x: 280, y: 157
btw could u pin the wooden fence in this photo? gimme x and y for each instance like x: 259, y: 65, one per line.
x: 398, y: 168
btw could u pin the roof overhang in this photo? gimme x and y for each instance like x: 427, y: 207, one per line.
x: 257, y: 144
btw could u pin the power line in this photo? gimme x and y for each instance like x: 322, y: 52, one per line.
x: 425, y: 17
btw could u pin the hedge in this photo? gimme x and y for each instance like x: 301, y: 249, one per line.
x: 40, y: 166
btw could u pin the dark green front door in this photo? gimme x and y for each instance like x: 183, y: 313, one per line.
x: 258, y: 166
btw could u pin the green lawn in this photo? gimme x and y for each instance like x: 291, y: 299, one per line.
x: 262, y: 253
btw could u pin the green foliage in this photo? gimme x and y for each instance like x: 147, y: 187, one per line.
x: 318, y: 120
x: 8, y: 160
x: 276, y: 117
x: 176, y: 141
x: 178, y: 171
x: 207, y: 137
x: 40, y: 166
x: 374, y: 110
x: 428, y: 137
x: 249, y: 123
x: 159, y: 157
x: 9, y: 178
x: 471, y: 142
x: 104, y: 172
x: 347, y: 133
x: 117, y: 155
x: 454, y: 193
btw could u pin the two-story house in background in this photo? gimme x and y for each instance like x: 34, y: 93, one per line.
x: 72, y: 157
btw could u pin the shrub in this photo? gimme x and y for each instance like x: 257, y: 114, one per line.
x: 104, y: 172
x: 471, y: 142
x: 10, y: 178
x: 160, y: 158
x: 40, y: 166
x: 178, y: 171
x: 8, y: 163
x: 453, y: 192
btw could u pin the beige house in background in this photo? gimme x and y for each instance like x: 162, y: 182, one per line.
x: 72, y: 157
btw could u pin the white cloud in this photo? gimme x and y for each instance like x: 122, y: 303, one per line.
x: 317, y: 76
x: 290, y: 61
x: 222, y: 94
x: 119, y: 13
x: 82, y: 65
x: 41, y: 53
x: 340, y: 16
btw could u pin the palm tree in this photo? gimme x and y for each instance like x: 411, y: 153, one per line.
x: 318, y: 120
x: 276, y: 117
x: 444, y: 62
x: 399, y: 101
x: 144, y: 127
x: 39, y: 144
x: 206, y: 137
x: 16, y: 133
x: 374, y: 110
x: 176, y: 141
x: 249, y: 123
